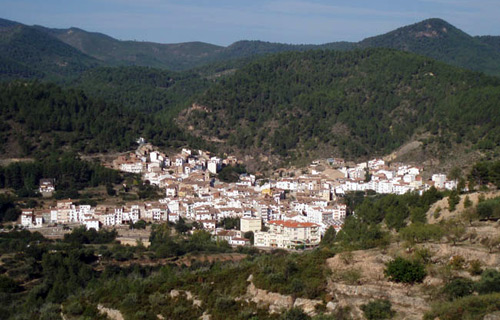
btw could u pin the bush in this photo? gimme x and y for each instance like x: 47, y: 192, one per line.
x: 458, y: 288
x: 457, y: 262
x: 467, y: 202
x: 378, y: 309
x: 402, y: 270
x: 419, y: 232
x: 351, y: 276
x: 469, y: 307
x: 475, y: 268
x: 7, y: 285
x: 453, y: 200
x: 141, y: 224
x: 423, y: 255
x: 295, y: 314
x: 329, y: 237
x: 489, y: 283
x: 81, y: 235
x: 489, y: 208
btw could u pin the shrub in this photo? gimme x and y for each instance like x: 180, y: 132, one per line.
x: 467, y: 202
x: 453, y: 200
x: 402, y: 270
x: 419, y: 232
x: 7, y: 285
x: 295, y: 314
x: 424, y: 255
x: 490, y: 282
x: 475, y: 268
x: 458, y: 288
x: 351, y: 276
x: 457, y: 262
x: 469, y: 307
x: 329, y: 237
x: 347, y: 257
x: 378, y: 310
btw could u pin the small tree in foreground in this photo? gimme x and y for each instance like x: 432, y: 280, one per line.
x: 458, y: 288
x: 405, y: 271
x: 378, y: 309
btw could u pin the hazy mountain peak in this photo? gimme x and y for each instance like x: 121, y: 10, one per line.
x: 4, y: 23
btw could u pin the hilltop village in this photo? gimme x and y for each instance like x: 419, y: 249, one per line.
x: 289, y: 211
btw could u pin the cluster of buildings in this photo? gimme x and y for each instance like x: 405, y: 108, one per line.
x: 287, y: 212
x: 383, y: 178
x: 67, y: 212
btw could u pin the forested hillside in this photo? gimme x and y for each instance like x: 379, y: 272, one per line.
x: 142, y: 88
x: 38, y: 52
x: 37, y: 117
x: 435, y: 38
x: 493, y: 41
x: 358, y: 103
x: 26, y: 52
x: 176, y: 56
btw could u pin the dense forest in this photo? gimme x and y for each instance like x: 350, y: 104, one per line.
x: 141, y: 88
x: 358, y: 103
x: 38, y: 117
x: 68, y: 170
x: 26, y: 52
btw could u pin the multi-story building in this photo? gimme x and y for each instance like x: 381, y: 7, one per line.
x: 250, y: 224
x: 288, y: 235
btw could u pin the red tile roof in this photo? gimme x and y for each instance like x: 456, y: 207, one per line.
x: 293, y: 224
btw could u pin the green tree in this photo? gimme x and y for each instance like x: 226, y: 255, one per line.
x: 467, y: 202
x: 453, y: 200
x: 454, y: 230
x: 455, y: 174
x: 329, y: 237
x: 458, y: 288
x: 405, y: 271
x: 489, y: 282
x: 250, y: 236
x: 378, y: 310
x: 294, y: 314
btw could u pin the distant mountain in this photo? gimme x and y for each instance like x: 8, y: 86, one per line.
x: 440, y: 40
x: 178, y: 56
x: 355, y: 103
x: 27, y: 52
x: 245, y: 48
x: 492, y: 41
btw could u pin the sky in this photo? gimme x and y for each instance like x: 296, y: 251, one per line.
x: 226, y: 21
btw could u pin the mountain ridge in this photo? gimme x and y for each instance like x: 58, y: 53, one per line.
x: 434, y: 38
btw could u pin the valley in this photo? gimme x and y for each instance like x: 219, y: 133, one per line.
x: 253, y: 181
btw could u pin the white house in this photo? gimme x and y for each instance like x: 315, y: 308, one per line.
x: 92, y: 223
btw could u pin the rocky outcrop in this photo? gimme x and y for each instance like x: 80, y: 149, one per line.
x: 277, y: 302
x: 307, y: 305
x: 492, y: 316
x: 408, y: 302
x: 189, y: 296
x: 113, y: 314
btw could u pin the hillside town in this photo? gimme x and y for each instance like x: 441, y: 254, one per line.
x: 284, y: 212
